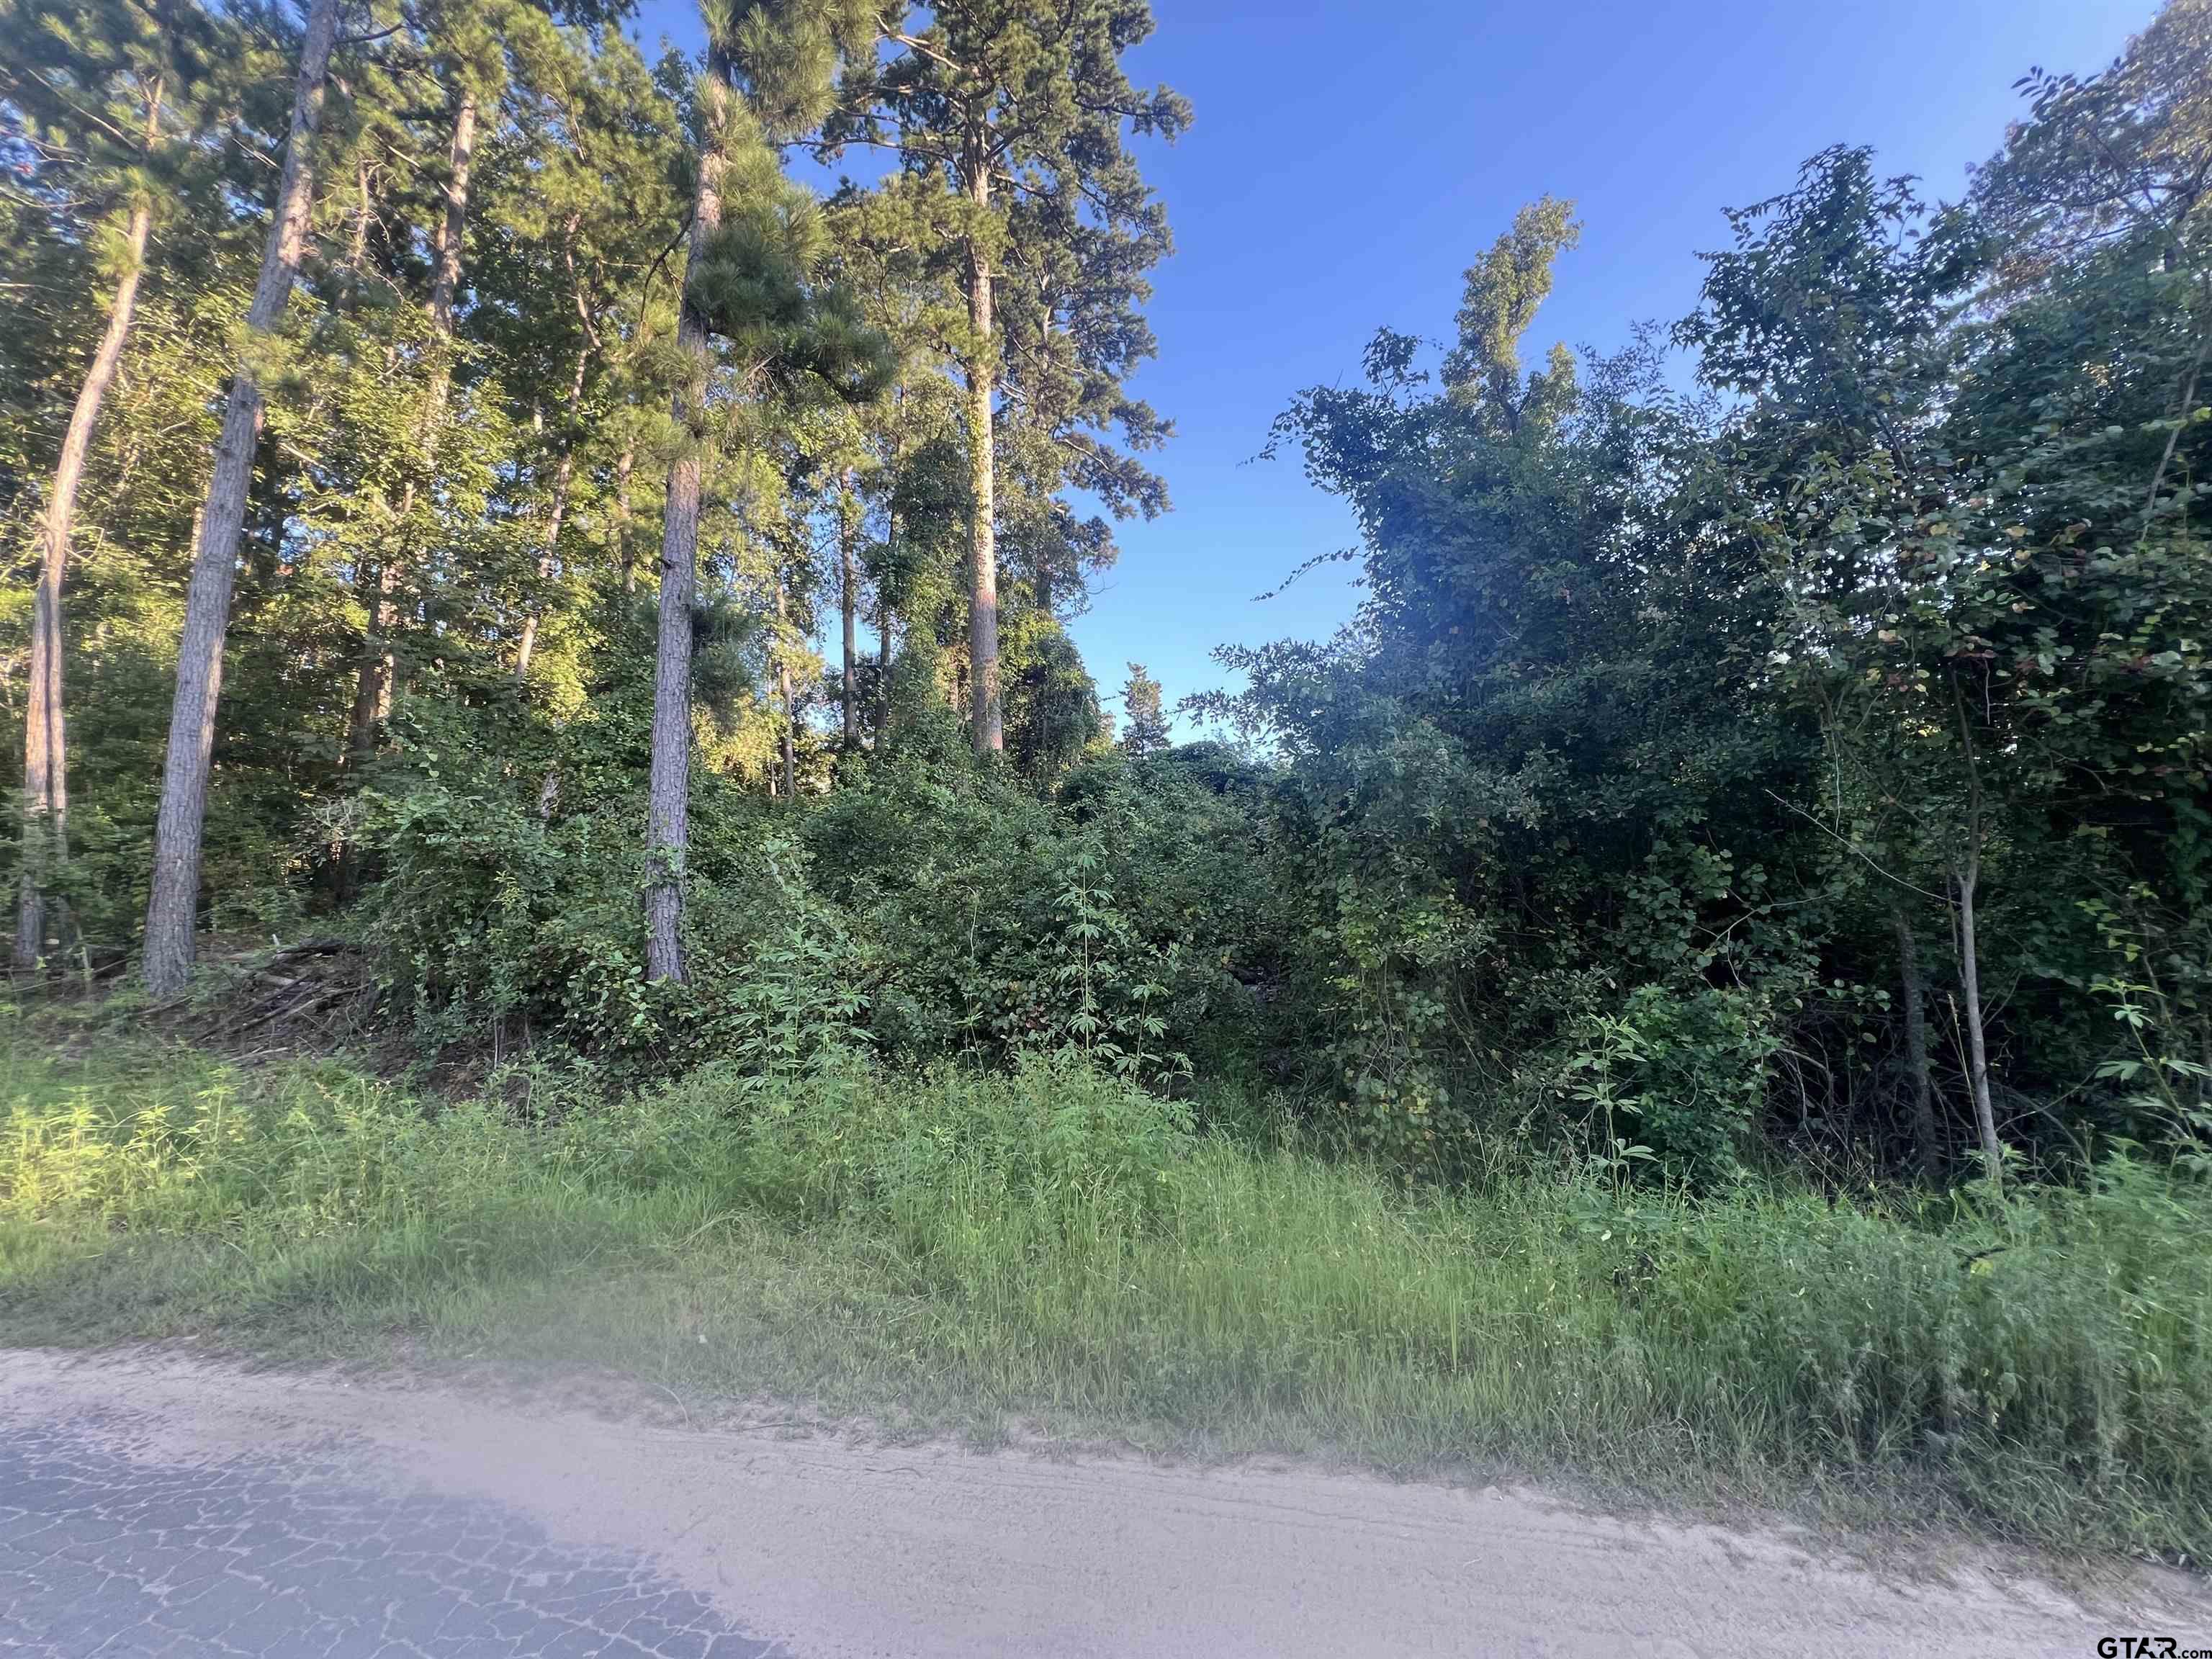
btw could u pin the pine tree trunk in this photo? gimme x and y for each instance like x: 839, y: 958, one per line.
x: 1915, y: 996
x: 372, y: 703
x: 669, y: 789
x: 445, y: 273
x: 563, y: 475
x: 885, y: 620
x: 172, y: 913
x: 46, y: 746
x: 986, y: 714
x: 848, y: 601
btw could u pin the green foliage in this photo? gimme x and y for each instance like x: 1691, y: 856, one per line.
x: 758, y: 284
x: 996, y: 923
x: 1057, y: 1134
x: 1054, y: 1241
x: 1509, y: 1054
x: 791, y: 1003
x: 1052, y: 711
x: 1689, y: 1068
x: 493, y: 926
x: 1663, y: 715
x: 1106, y: 981
x: 1146, y: 732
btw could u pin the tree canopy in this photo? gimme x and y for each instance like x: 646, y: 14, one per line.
x: 1783, y: 738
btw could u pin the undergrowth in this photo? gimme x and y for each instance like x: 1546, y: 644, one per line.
x: 1055, y: 1242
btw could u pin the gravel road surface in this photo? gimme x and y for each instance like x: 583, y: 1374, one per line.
x: 156, y: 1504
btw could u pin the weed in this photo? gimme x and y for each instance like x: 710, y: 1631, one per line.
x: 1058, y: 1243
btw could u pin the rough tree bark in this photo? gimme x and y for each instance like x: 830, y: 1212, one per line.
x: 669, y: 788
x: 849, y: 603
x: 171, y: 912
x: 986, y: 713
x: 1915, y: 996
x: 46, y: 746
x: 345, y: 869
x: 445, y: 273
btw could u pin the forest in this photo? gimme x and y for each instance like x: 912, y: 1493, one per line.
x: 540, y: 634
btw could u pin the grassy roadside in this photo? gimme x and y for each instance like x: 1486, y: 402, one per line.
x: 1053, y: 1246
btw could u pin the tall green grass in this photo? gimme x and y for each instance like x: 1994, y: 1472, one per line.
x: 1056, y: 1245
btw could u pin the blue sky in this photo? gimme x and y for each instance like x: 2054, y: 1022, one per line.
x: 1348, y: 161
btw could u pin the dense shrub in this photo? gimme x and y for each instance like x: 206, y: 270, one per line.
x: 925, y: 913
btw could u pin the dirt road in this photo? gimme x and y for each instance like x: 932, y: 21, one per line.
x: 152, y: 1504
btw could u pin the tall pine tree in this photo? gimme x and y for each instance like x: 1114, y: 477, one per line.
x: 89, y: 96
x: 758, y: 246
x: 1018, y: 111
x: 172, y: 909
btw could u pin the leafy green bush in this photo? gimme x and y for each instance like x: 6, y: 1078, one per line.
x: 1117, y: 916
x: 1676, y: 1077
x: 923, y: 913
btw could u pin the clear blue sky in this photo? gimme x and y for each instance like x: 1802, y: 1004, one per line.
x: 1349, y: 159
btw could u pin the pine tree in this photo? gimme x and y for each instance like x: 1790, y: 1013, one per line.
x: 756, y: 246
x: 669, y: 786
x: 580, y: 203
x: 464, y: 42
x: 1147, y: 731
x: 1018, y: 111
x: 172, y: 911
x: 911, y: 480
x: 90, y: 94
